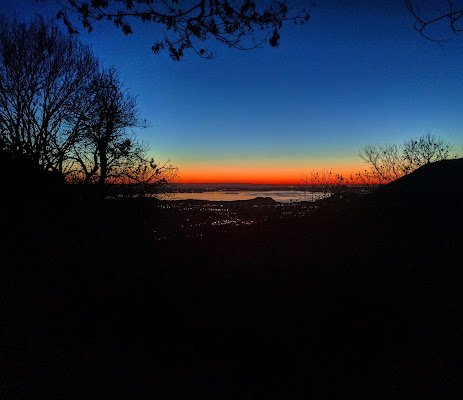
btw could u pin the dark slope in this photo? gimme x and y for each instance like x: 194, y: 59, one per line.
x: 361, y: 299
x: 439, y: 178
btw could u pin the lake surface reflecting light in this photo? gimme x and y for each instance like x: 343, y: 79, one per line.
x: 281, y: 196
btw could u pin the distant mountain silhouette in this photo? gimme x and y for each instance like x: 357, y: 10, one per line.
x: 261, y: 201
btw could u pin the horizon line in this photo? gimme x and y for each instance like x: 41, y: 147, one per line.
x: 234, y: 183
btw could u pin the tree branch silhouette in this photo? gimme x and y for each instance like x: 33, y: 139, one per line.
x: 451, y: 15
x: 238, y: 24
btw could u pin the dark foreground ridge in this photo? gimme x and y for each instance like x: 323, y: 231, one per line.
x: 359, y: 299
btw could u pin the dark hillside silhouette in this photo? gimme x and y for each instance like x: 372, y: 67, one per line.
x: 359, y: 299
x: 24, y: 182
x: 440, y: 178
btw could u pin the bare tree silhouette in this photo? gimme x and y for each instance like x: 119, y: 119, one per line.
x: 105, y: 145
x: 107, y: 150
x: 388, y: 162
x: 42, y: 74
x: 61, y: 111
x: 321, y: 184
x: 425, y: 150
x: 142, y: 176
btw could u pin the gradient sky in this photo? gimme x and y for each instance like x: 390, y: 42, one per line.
x: 357, y: 73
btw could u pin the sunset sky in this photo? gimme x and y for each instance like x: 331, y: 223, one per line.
x: 357, y: 73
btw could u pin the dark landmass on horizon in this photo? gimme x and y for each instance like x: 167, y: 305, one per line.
x: 360, y: 297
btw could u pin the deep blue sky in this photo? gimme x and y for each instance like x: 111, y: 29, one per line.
x: 356, y: 73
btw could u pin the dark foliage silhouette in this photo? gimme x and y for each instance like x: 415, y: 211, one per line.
x: 187, y: 25
x: 23, y: 182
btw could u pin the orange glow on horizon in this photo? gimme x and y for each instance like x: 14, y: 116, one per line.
x: 277, y: 176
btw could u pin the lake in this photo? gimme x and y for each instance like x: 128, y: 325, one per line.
x: 281, y: 196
